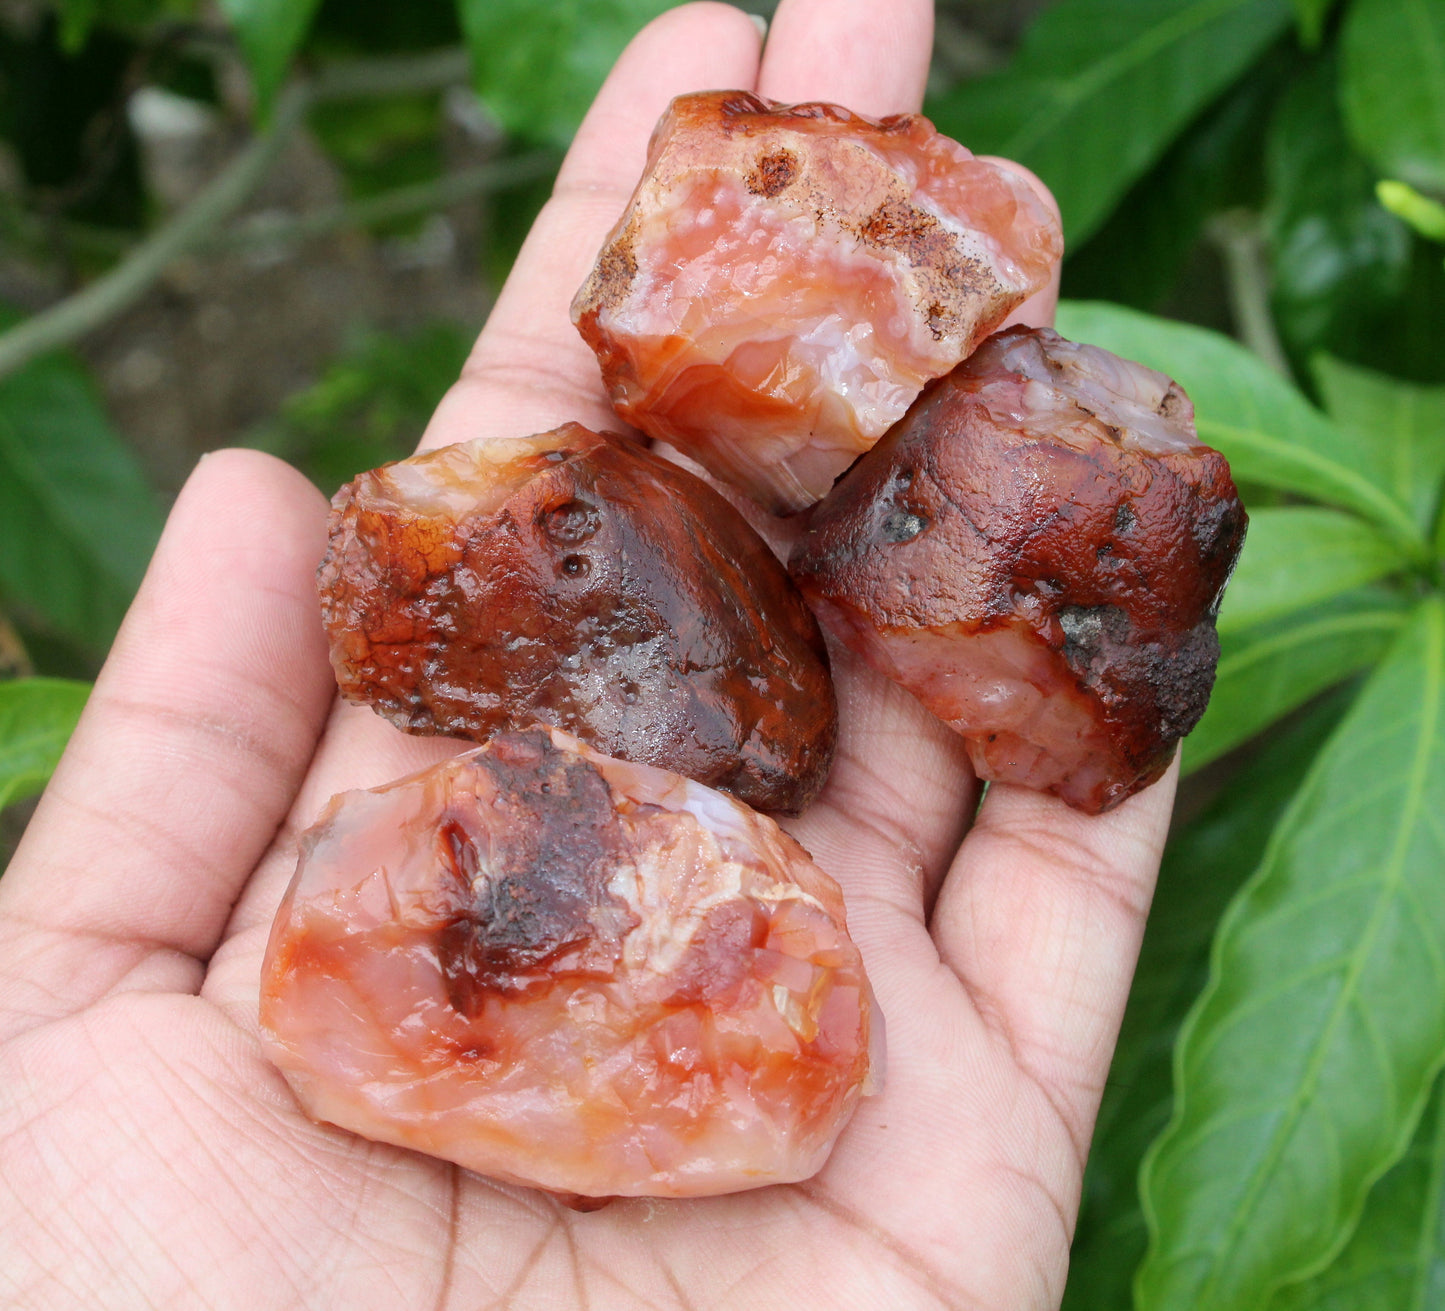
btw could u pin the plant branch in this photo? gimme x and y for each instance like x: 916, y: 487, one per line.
x: 14, y: 659
x: 264, y: 232
x: 361, y: 79
x: 110, y: 294
x: 1236, y: 235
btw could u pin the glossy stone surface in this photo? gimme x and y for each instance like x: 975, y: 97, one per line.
x: 573, y: 973
x: 575, y: 579
x: 1038, y: 552
x: 787, y: 277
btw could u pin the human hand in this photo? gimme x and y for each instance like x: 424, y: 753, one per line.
x: 151, y: 1156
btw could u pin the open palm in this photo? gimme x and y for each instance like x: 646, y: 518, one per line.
x: 150, y: 1156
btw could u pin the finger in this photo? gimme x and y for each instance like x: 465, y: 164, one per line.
x: 871, y: 58
x: 1041, y: 918
x: 530, y: 370
x: 188, y: 755
x: 898, y: 800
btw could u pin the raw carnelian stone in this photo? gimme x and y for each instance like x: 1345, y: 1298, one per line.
x: 1037, y: 552
x: 576, y: 579
x: 569, y: 972
x: 786, y: 278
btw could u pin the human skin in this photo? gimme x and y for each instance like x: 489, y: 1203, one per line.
x: 151, y: 1157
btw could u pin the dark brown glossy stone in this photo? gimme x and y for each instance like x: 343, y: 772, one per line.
x: 1038, y: 552
x: 577, y: 580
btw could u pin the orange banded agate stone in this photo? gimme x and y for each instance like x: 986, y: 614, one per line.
x: 786, y: 278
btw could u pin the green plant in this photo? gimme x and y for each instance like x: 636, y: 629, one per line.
x: 1307, y: 996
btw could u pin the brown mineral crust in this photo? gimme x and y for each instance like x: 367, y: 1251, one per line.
x: 786, y: 278
x: 532, y: 881
x: 578, y: 580
x: 1038, y: 552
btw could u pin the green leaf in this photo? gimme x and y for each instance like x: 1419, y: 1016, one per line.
x: 77, y: 519
x: 1204, y: 864
x: 1311, y: 15
x: 1269, y: 433
x: 78, y: 17
x: 369, y: 404
x: 538, y: 67
x: 37, y: 716
x: 1340, y: 263
x: 270, y: 33
x: 1139, y: 254
x: 393, y: 141
x: 1101, y: 87
x: 1396, y: 1259
x: 1302, y: 1071
x: 1401, y: 427
x: 1393, y: 87
x: 1297, y: 556
x: 1266, y: 672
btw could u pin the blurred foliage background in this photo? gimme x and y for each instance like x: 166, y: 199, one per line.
x: 281, y: 223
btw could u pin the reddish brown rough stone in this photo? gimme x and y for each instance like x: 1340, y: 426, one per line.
x: 578, y: 580
x: 1038, y: 552
x: 787, y: 277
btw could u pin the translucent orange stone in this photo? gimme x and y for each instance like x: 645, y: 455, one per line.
x: 568, y: 972
x: 786, y: 278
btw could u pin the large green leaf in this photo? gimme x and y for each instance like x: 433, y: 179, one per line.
x: 77, y: 520
x: 1268, y: 431
x: 1393, y: 86
x: 1303, y: 1069
x: 270, y: 33
x: 1101, y: 87
x: 36, y: 719
x: 1340, y: 262
x: 1204, y: 864
x: 1266, y: 672
x: 1140, y: 252
x: 1396, y: 1259
x: 1297, y: 556
x: 1401, y: 425
x: 538, y: 66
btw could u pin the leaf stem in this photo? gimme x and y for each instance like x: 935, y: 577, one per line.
x: 398, y: 75
x: 1236, y: 235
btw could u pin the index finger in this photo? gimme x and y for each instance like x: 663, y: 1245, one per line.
x: 870, y: 57
x: 530, y: 370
